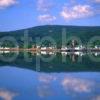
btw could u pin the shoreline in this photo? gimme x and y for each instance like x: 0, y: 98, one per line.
x: 51, y: 50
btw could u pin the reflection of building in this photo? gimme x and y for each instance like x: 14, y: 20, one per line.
x: 44, y: 52
x: 96, y: 53
x: 1, y: 52
x: 79, y: 53
x: 4, y: 50
x: 47, y: 53
x: 64, y: 53
x: 51, y: 53
x: 73, y: 55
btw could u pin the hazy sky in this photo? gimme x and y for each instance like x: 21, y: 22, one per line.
x: 18, y: 14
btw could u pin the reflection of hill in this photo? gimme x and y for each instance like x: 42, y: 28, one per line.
x: 56, y: 65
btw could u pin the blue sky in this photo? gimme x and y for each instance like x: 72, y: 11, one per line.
x: 19, y: 14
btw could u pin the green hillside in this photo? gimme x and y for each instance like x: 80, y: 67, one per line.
x: 55, y: 31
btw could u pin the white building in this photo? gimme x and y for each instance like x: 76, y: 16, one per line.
x: 97, y: 47
x: 50, y: 48
x: 64, y: 48
x: 43, y: 48
x: 1, y: 48
x: 6, y: 48
x: 79, y: 47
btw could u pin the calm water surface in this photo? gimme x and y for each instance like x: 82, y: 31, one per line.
x: 71, y: 80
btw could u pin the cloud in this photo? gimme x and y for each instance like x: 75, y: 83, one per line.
x: 96, y: 1
x: 96, y: 97
x: 44, y: 5
x: 76, y: 12
x: 46, y: 18
x: 7, y: 3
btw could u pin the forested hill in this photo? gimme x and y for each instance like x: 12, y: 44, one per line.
x: 85, y: 33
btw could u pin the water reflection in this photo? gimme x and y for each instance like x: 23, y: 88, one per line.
x: 7, y: 95
x: 70, y: 55
x: 77, y: 85
x: 49, y: 86
x: 69, y: 80
x: 61, y: 62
